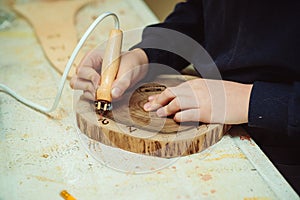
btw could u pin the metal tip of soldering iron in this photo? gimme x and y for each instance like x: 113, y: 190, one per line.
x: 102, y: 107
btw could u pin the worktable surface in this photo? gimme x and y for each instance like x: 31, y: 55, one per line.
x: 42, y: 155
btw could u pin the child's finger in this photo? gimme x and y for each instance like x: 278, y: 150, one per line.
x: 89, y: 95
x: 92, y: 59
x: 189, y: 115
x: 169, y: 109
x: 121, y: 84
x: 162, y: 99
x: 89, y: 74
x: 81, y: 84
x: 119, y: 87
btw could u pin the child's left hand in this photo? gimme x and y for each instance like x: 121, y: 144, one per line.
x: 209, y: 101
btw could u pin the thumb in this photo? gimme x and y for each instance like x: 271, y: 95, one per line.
x: 119, y: 87
x: 116, y: 92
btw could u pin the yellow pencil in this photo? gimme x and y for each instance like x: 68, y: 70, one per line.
x: 64, y: 194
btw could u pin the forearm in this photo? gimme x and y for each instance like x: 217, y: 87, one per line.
x: 237, y: 102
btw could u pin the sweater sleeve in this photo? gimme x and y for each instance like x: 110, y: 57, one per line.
x: 187, y: 19
x: 275, y: 106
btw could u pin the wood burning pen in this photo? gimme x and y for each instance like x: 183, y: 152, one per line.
x: 109, y: 70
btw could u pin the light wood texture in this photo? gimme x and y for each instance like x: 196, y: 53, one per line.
x: 110, y: 65
x: 130, y: 128
x: 53, y: 22
x: 162, y: 8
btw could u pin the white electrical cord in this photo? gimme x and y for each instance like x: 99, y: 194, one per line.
x: 67, y: 68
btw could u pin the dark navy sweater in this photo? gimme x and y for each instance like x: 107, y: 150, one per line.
x: 255, y: 42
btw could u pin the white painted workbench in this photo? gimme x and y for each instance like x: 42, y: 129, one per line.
x: 42, y: 155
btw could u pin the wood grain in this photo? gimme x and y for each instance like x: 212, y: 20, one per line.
x: 130, y: 110
x: 131, y: 128
x: 54, y: 25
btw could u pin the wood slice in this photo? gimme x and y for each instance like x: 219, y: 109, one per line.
x: 53, y: 22
x: 131, y: 128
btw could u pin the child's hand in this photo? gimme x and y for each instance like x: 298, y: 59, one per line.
x: 209, y: 101
x: 133, y: 67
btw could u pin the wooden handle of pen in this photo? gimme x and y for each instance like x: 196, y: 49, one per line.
x: 110, y: 65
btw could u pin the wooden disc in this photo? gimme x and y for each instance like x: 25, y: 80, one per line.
x: 131, y: 128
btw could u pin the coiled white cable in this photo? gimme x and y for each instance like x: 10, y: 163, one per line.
x: 67, y: 68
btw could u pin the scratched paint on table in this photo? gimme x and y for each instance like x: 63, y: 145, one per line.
x: 223, y: 156
x: 205, y: 177
x: 247, y: 138
x: 256, y: 198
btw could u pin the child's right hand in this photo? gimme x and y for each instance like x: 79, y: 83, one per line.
x: 133, y: 67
